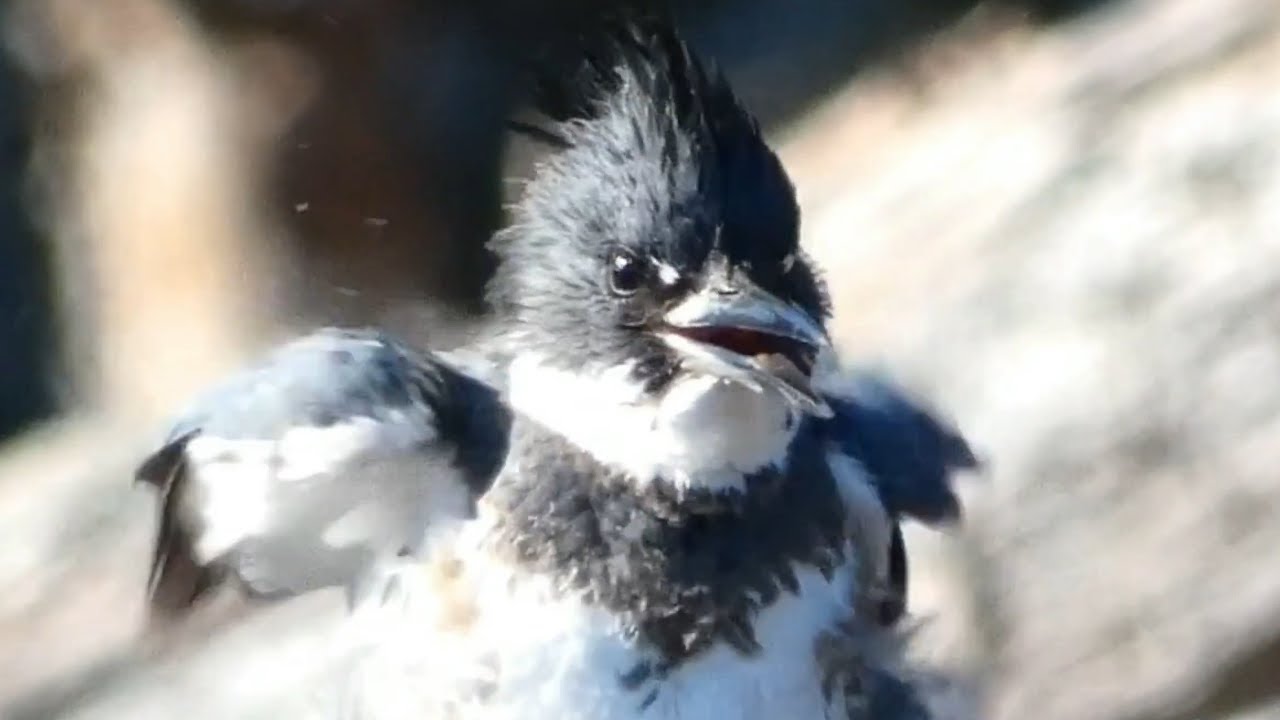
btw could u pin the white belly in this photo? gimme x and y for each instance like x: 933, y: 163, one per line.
x: 508, y: 649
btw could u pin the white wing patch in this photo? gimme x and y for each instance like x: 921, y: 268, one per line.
x: 237, y: 480
x: 354, y: 525
x: 232, y: 493
x: 305, y: 452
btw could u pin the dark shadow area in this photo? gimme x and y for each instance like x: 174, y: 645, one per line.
x: 26, y: 310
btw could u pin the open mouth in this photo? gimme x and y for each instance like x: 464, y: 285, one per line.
x: 752, y: 338
x: 765, y: 348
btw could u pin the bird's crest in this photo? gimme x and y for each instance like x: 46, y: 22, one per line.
x: 636, y: 68
x: 652, y: 150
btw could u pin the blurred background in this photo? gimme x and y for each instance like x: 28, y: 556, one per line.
x: 1059, y: 220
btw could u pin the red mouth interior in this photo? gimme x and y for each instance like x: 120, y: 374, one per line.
x: 751, y: 343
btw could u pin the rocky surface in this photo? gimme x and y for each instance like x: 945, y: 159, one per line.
x: 1069, y: 239
x: 1072, y: 242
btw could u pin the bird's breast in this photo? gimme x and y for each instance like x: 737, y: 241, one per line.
x: 487, y: 641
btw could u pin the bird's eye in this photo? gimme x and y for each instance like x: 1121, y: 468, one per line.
x: 788, y: 262
x: 626, y: 273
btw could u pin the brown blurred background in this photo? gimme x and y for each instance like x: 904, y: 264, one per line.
x: 1060, y: 220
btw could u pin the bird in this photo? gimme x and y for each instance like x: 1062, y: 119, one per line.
x: 650, y: 488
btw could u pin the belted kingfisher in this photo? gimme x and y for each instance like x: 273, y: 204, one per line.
x: 650, y: 492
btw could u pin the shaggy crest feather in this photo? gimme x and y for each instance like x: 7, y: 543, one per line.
x: 651, y: 149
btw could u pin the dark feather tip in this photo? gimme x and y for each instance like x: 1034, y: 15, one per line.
x: 157, y: 470
x: 912, y: 453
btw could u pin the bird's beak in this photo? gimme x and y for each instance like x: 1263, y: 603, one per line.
x: 751, y: 336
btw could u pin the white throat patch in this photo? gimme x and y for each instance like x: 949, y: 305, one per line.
x: 703, y: 433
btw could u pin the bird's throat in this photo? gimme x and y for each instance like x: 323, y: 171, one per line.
x: 700, y: 433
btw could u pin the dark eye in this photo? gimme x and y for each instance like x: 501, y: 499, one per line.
x: 626, y: 273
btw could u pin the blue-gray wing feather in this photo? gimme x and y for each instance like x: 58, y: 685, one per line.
x: 911, y: 454
x: 910, y: 457
x: 418, y: 435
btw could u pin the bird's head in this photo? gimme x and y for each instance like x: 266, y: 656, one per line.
x: 658, y: 244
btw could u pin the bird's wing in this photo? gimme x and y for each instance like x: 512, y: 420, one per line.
x: 894, y: 459
x: 341, y: 448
